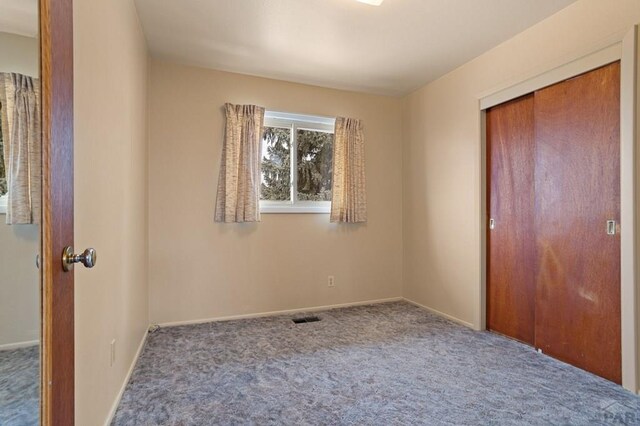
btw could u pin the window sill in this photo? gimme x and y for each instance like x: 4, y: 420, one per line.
x: 295, y: 208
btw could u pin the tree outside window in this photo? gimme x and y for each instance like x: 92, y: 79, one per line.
x: 297, y: 162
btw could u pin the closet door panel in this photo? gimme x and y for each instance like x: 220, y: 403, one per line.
x: 577, y: 182
x: 511, y: 246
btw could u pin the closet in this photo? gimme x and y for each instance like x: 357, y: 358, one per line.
x: 553, y: 201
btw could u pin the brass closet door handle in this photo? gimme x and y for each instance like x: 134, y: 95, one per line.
x: 88, y: 258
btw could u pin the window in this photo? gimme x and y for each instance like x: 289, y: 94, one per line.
x: 3, y: 176
x: 297, y: 163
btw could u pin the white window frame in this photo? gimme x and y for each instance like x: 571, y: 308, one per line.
x: 294, y: 122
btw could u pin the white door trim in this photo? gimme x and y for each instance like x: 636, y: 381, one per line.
x: 629, y: 210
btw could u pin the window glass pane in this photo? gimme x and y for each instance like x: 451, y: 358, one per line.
x: 3, y: 177
x: 315, y: 154
x: 276, y: 164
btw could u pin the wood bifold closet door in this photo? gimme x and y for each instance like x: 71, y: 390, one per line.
x: 553, y: 270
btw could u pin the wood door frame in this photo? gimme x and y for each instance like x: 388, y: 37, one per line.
x: 625, y: 49
x: 57, y: 334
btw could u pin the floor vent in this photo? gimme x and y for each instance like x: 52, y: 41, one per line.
x: 305, y: 319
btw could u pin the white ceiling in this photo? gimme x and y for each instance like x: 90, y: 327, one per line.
x: 388, y: 49
x: 19, y: 17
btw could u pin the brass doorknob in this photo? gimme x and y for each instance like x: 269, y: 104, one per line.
x: 88, y: 258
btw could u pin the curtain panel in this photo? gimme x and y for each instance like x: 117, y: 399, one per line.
x: 238, y: 198
x: 22, y: 146
x: 349, y: 201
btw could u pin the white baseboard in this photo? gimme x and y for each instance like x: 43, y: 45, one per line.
x: 116, y: 403
x: 441, y: 314
x: 283, y: 312
x: 19, y: 345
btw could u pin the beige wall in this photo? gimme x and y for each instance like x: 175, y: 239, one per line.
x: 442, y: 150
x: 19, y: 54
x: 110, y: 199
x: 201, y: 269
x: 19, y: 283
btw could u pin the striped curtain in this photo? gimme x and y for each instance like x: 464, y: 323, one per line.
x: 238, y: 198
x: 349, y: 201
x: 22, y: 146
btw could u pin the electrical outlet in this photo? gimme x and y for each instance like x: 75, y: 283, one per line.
x: 113, y: 352
x: 331, y: 282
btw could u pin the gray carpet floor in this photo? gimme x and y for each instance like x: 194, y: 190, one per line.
x: 19, y: 386
x: 387, y: 364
